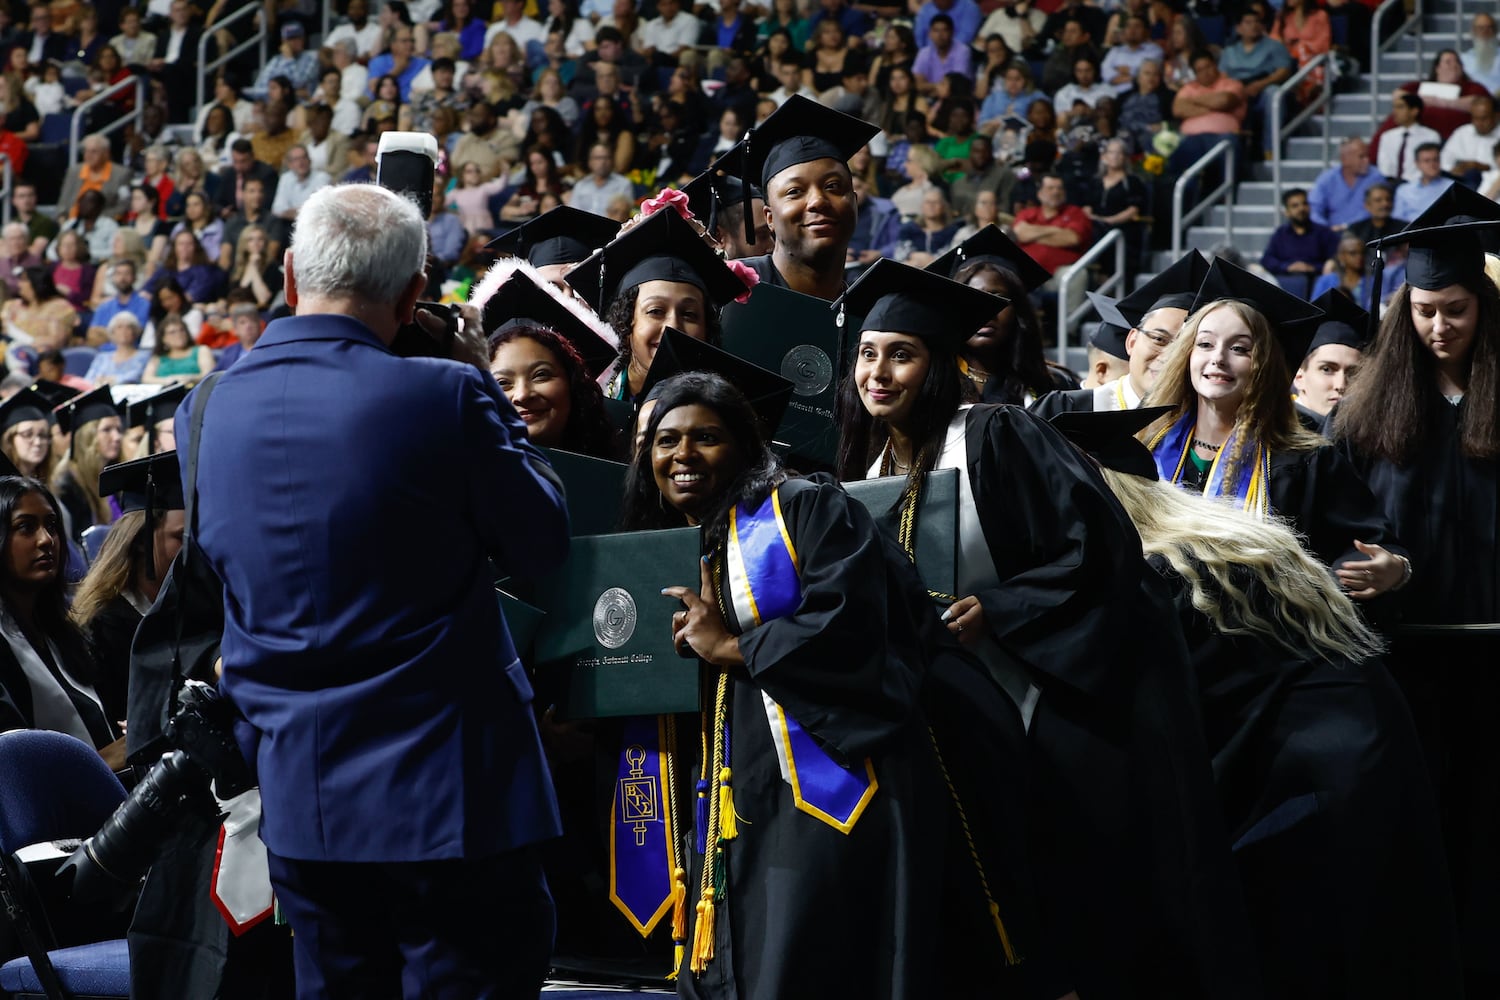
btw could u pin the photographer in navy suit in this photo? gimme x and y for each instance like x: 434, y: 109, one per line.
x: 351, y: 501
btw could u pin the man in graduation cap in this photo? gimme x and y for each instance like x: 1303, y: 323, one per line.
x: 800, y: 155
x: 717, y: 199
x: 1333, y: 356
x: 1154, y: 314
x: 1108, y: 358
x: 554, y: 241
x: 155, y: 413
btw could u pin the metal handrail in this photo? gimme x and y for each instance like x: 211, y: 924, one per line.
x: 1068, y: 318
x: 7, y: 182
x: 80, y: 115
x: 1413, y: 21
x: 207, y: 69
x: 1224, y: 150
x: 1279, y: 131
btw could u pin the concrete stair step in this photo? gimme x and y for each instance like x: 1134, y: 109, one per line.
x: 1246, y: 216
x: 1249, y: 241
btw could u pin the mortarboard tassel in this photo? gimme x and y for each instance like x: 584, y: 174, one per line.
x: 1377, y: 275
x: 728, y: 821
x: 150, y: 527
x: 745, y: 194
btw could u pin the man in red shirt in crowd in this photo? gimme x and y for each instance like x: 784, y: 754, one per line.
x: 1054, y: 233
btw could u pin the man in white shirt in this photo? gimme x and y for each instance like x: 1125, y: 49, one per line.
x: 1122, y: 61
x: 1470, y: 150
x: 664, y: 39
x: 297, y: 184
x: 594, y: 192
x: 517, y: 25
x: 1482, y: 61
x: 789, y: 72
x: 364, y: 33
x: 136, y: 47
x: 1396, y: 157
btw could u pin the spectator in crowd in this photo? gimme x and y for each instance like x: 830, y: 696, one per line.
x: 1123, y: 62
x: 1078, y: 98
x: 1470, y: 150
x: 272, y: 143
x: 523, y: 30
x: 401, y: 61
x: 1396, y: 151
x: 1414, y: 197
x: 602, y: 183
x: 243, y: 165
x: 40, y: 227
x: 199, y: 219
x: 922, y: 165
x: 1338, y: 195
x: 855, y: 23
x: 327, y: 148
x: 550, y: 93
x: 470, y: 198
x: 96, y: 173
x: 982, y: 173
x: 941, y: 55
x: 176, y: 60
x: 200, y: 279
x: 1054, y: 233
x: 245, y: 319
x: 42, y: 44
x: 145, y: 225
x: 606, y: 123
x: 965, y: 15
x: 445, y: 233
x: 1349, y: 275
x: 1094, y: 20
x: 417, y: 116
x: 789, y: 75
x: 1074, y: 44
x: 1256, y: 61
x: 176, y: 360
x: 363, y: 149
x: 16, y: 254
x: 297, y: 184
x: 666, y: 38
x: 135, y: 46
x: 1210, y: 108
x: 920, y: 241
x: 577, y: 33
x: 386, y: 110
x: 1445, y: 113
x: 488, y: 143
x: 786, y: 15
x: 97, y: 229
x: 168, y: 299
x: 126, y: 299
x: 1008, y: 101
x: 541, y: 179
x: 1304, y: 28
x: 985, y: 213
x: 733, y: 30
x: 1146, y: 109
x: 1380, y: 202
x: 357, y: 28
x: 1299, y: 249
x: 256, y: 212
x: 1018, y: 23
x: 1117, y: 198
x: 1489, y: 181
x: 18, y: 113
x: 875, y: 226
x: 127, y: 362
x: 189, y: 176
x: 824, y: 67
x: 354, y: 78
x: 72, y: 272
x: 1480, y: 63
x: 39, y: 315
x: 256, y: 268
x: 292, y: 61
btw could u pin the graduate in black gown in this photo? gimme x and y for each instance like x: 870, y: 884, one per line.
x: 1422, y: 423
x: 1138, y: 894
x: 92, y: 423
x: 821, y: 855
x: 1232, y: 431
x: 1332, y: 359
x: 556, y: 240
x: 1319, y: 770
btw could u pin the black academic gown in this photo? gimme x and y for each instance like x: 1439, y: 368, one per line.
x: 1138, y: 892
x: 1330, y: 812
x: 1446, y: 508
x: 16, y: 698
x: 1064, y: 401
x: 809, y: 911
x: 1008, y: 389
x: 110, y: 634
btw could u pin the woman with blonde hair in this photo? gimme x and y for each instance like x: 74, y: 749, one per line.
x: 25, y: 438
x: 96, y: 439
x: 1231, y: 431
x: 1326, y: 802
x: 254, y: 268
x: 922, y: 165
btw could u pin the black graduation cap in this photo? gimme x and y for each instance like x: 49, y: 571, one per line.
x: 1109, y: 437
x: 86, y: 408
x: 994, y: 247
x: 720, y: 185
x: 898, y: 298
x: 1174, y: 288
x: 564, y: 235
x: 661, y: 247
x: 768, y: 392
x: 521, y: 300
x: 154, y: 409
x: 152, y: 484
x: 799, y: 131
x: 28, y: 404
x: 55, y: 394
x: 1292, y: 320
x: 1344, y: 322
x: 1110, y: 336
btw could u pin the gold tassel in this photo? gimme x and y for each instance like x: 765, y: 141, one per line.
x: 679, y: 906
x: 703, y: 933
x: 676, y: 963
x: 728, y: 821
x: 1010, y: 953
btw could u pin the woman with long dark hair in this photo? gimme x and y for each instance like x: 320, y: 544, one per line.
x: 1068, y: 623
x: 1422, y: 423
x: 39, y: 315
x: 46, y: 676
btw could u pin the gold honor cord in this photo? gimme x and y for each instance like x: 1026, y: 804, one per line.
x: 911, y: 498
x: 679, y: 870
x: 713, y: 883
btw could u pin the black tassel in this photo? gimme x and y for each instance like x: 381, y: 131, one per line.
x: 1377, y: 274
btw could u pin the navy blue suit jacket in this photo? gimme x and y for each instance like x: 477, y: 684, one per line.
x: 350, y: 500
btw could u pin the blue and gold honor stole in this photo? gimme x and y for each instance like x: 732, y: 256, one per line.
x: 1251, y: 486
x: 763, y: 584
x: 645, y: 875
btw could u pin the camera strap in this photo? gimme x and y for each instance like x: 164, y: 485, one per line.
x: 13, y: 907
x: 190, y: 511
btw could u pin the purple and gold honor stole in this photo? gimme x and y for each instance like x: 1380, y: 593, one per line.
x: 645, y: 875
x: 1252, y: 481
x: 763, y: 584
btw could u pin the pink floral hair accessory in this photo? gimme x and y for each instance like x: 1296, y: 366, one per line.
x: 747, y: 274
x: 668, y: 198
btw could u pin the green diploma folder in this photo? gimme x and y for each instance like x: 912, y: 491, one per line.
x: 595, y: 488
x: 937, y: 522
x: 798, y: 336
x: 605, y: 645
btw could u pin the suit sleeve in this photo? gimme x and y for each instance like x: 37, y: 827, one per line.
x: 515, y: 497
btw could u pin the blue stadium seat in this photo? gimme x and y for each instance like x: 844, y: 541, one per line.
x: 76, y: 360
x: 55, y: 127
x: 1213, y: 28
x: 93, y: 541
